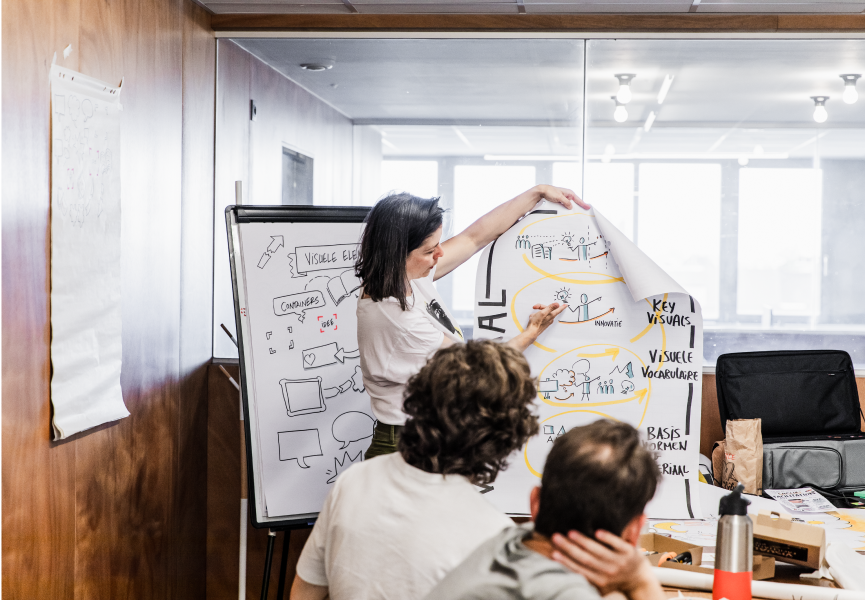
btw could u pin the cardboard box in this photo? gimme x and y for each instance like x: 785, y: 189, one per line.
x: 776, y: 535
x: 660, y: 544
x: 764, y: 568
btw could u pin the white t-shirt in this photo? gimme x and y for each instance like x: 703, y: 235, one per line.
x: 390, y: 531
x: 395, y: 344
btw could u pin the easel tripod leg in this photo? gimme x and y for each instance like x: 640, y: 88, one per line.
x: 283, y: 565
x: 268, y: 559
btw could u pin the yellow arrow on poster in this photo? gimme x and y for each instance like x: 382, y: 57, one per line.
x: 639, y: 395
x: 614, y: 352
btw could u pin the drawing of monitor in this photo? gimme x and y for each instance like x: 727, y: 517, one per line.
x: 302, y: 396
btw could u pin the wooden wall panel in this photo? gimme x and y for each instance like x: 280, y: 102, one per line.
x: 38, y: 481
x: 223, y: 484
x: 196, y: 299
x: 223, y: 502
x: 116, y: 511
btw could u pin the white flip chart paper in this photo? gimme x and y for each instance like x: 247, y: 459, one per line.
x: 629, y: 347
x: 311, y: 418
x: 86, y: 349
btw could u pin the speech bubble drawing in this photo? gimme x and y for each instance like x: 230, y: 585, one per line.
x: 298, y: 303
x: 299, y: 444
x: 352, y: 426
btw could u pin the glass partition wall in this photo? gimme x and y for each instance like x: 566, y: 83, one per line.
x: 738, y: 166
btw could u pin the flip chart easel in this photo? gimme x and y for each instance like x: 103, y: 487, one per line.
x: 307, y: 413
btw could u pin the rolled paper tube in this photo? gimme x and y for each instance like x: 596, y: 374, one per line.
x: 759, y: 589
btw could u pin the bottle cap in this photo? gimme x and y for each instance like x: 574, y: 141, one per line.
x: 733, y: 503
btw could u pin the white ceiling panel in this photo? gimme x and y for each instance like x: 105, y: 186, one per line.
x: 463, y: 97
x: 436, y: 79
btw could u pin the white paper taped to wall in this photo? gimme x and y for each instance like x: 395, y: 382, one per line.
x: 628, y: 347
x: 86, y: 349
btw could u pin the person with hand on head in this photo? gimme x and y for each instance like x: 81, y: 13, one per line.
x: 392, y: 527
x: 401, y: 319
x: 587, y: 518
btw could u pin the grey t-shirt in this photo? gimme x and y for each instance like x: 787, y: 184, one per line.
x: 503, y: 568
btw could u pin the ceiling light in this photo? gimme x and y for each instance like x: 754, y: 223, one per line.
x: 624, y: 93
x: 665, y: 87
x: 850, y: 94
x: 820, y: 114
x: 649, y: 121
x: 621, y: 114
x: 315, y: 67
x: 743, y: 161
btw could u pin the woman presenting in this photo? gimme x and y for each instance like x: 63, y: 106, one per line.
x: 401, y: 320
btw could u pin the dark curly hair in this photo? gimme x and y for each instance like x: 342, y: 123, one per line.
x: 469, y: 408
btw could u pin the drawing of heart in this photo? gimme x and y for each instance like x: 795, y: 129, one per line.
x: 309, y: 358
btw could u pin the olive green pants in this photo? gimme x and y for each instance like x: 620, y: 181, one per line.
x: 384, y: 440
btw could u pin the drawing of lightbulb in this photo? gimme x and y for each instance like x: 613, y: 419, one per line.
x: 563, y: 294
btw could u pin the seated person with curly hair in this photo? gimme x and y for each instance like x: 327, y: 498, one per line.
x: 597, y: 479
x: 394, y: 525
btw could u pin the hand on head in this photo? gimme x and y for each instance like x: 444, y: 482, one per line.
x: 609, y: 563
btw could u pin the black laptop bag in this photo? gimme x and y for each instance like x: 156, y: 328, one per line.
x: 809, y: 408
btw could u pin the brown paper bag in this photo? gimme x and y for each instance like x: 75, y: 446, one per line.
x: 743, y: 456
x: 718, y: 462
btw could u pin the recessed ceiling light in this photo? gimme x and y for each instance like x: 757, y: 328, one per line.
x: 315, y: 67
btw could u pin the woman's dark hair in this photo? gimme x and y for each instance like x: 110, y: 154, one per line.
x: 469, y: 408
x: 395, y: 226
x: 599, y: 476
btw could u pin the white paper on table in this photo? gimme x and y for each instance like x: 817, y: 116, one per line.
x: 803, y: 500
x: 605, y: 357
x: 842, y: 526
x: 86, y: 350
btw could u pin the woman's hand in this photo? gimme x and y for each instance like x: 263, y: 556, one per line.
x: 562, y: 196
x: 538, y: 323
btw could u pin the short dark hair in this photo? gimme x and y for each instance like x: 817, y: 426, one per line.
x: 598, y: 476
x: 395, y: 226
x: 469, y: 408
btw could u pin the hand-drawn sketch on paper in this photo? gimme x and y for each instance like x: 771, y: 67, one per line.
x: 628, y: 346
x: 311, y: 414
x: 85, y: 253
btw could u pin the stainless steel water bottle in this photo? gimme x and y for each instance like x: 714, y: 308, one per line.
x: 734, y: 548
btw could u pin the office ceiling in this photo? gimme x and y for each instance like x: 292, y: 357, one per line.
x: 474, y: 97
x: 533, y: 6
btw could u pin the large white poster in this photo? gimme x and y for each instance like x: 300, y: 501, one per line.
x: 628, y: 347
x: 312, y: 417
x: 86, y: 347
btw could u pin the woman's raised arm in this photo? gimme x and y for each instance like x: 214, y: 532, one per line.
x: 464, y: 245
